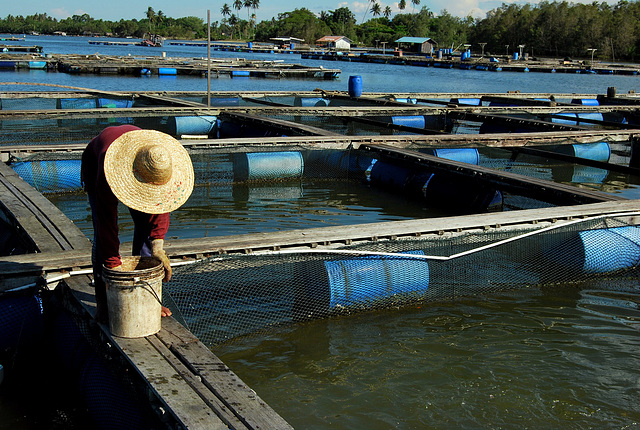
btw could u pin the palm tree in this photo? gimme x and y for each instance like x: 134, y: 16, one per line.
x: 238, y: 5
x: 151, y: 15
x: 375, y: 9
x: 387, y: 12
x: 225, y: 10
x: 402, y: 4
x: 415, y: 3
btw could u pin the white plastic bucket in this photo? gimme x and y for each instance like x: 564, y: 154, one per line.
x: 134, y: 296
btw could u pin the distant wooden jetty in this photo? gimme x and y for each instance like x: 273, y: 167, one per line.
x: 168, y: 66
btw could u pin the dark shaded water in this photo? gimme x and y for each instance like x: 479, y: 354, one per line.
x: 561, y: 358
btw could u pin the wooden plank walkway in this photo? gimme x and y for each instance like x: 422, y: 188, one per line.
x: 182, y: 377
x: 185, y: 250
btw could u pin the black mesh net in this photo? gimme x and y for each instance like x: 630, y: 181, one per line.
x: 228, y: 296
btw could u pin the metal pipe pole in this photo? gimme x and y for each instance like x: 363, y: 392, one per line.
x: 208, y: 58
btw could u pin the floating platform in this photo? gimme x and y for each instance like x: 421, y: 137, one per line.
x: 479, y: 64
x: 160, y: 66
x: 203, y: 392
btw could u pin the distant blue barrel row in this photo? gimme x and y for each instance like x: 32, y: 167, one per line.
x: 50, y: 176
x: 268, y: 166
x: 361, y: 281
x: 192, y: 125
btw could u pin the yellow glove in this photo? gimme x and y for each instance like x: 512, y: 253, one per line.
x: 158, y: 252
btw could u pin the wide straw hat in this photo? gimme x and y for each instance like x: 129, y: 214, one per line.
x: 149, y: 171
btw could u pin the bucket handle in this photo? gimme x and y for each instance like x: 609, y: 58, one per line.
x: 146, y: 286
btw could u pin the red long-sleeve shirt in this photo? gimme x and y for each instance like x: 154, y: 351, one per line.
x: 106, y: 203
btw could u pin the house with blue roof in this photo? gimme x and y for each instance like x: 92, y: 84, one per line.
x: 423, y: 45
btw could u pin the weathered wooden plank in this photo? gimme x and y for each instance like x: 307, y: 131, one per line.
x: 225, y: 414
x: 248, y: 406
x: 157, y: 367
x: 184, y: 402
x: 62, y: 233
x: 327, y: 236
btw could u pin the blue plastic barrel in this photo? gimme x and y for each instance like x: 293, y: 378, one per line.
x: 167, y: 71
x: 79, y: 103
x: 192, y: 125
x: 586, y: 102
x: 515, y: 55
x: 439, y: 54
x: 361, y: 281
x: 416, y: 121
x: 310, y: 101
x: 268, y: 166
x: 575, y: 118
x: 249, y: 45
x: 464, y: 155
x: 467, y: 101
x: 114, y: 103
x: 598, y: 251
x: 239, y: 73
x: 222, y: 101
x: 355, y: 86
x: 37, y: 64
x: 50, y: 176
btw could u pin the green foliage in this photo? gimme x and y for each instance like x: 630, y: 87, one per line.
x: 556, y: 29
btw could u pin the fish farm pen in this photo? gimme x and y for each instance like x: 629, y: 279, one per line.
x: 448, y: 196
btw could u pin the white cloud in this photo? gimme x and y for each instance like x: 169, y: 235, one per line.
x: 60, y: 13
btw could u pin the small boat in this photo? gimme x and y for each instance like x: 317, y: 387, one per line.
x: 152, y: 40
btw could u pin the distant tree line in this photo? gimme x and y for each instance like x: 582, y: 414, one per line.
x: 555, y: 29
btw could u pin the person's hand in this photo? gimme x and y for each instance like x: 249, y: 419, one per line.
x: 157, y: 251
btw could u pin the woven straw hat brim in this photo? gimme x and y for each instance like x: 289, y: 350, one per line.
x: 144, y: 197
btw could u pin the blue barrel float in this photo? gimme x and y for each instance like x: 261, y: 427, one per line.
x: 361, y: 281
x: 440, y: 191
x: 355, y: 86
x: 599, y: 151
x: 79, y: 103
x: 574, y: 118
x: 257, y: 166
x: 598, y: 251
x: 114, y: 103
x: 192, y: 125
x: 310, y: 101
x: 464, y: 155
x: 416, y: 121
x: 50, y: 176
x: 37, y: 64
x: 167, y: 71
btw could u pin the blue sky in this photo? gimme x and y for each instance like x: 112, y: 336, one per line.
x: 114, y: 10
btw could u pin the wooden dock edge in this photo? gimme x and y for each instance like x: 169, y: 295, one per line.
x: 186, y: 384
